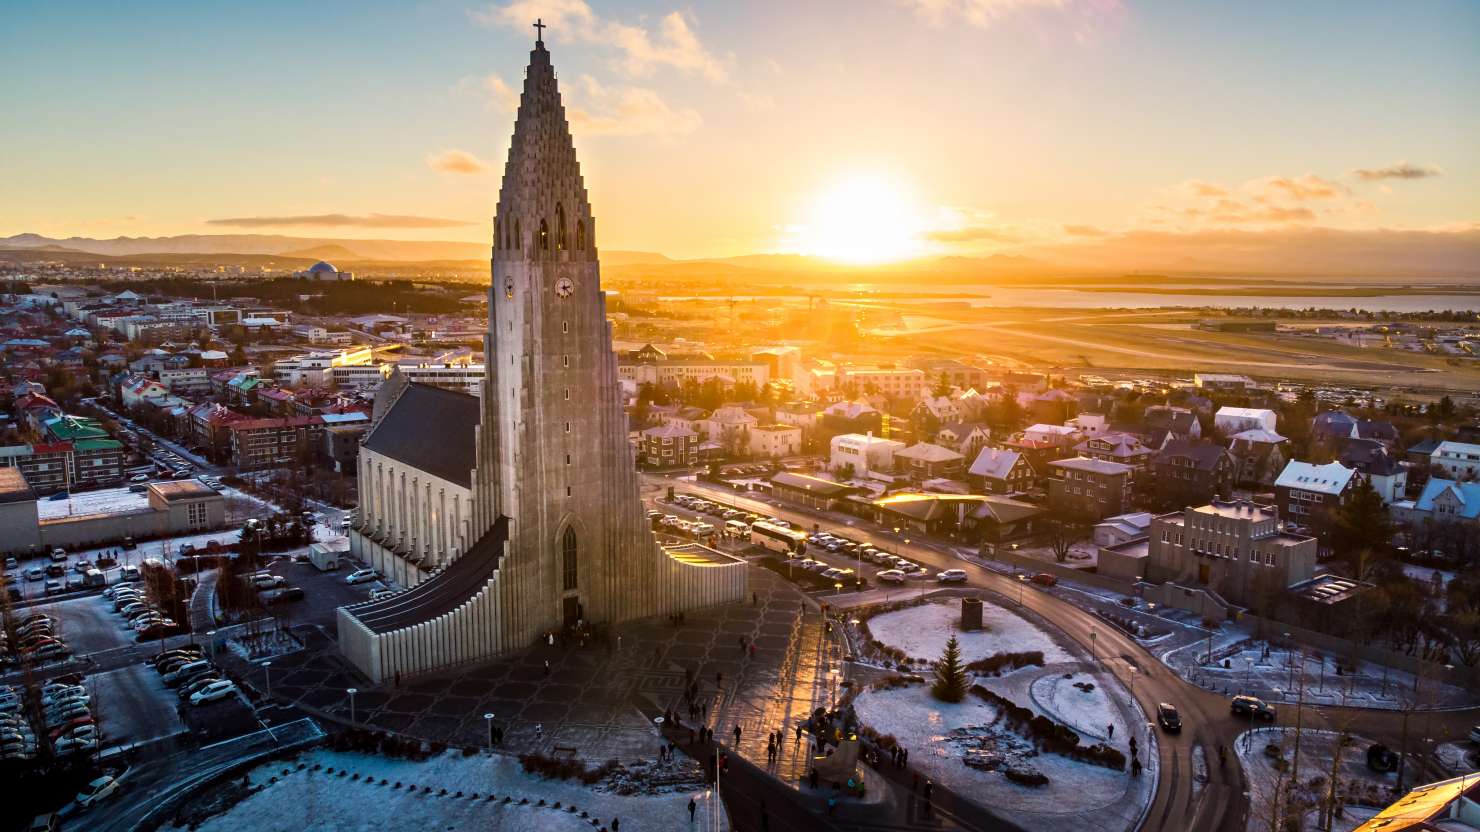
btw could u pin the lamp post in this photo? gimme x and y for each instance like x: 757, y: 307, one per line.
x: 1092, y: 657
x: 352, y: 692
x: 1022, y: 579
x: 267, y: 669
x: 488, y: 718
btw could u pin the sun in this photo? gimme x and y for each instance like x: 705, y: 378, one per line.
x: 862, y: 218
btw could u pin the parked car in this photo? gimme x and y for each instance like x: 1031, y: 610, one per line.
x: 1045, y: 579
x: 892, y: 576
x: 98, y: 790
x: 174, y: 677
x: 951, y: 576
x: 190, y: 688
x: 1170, y: 720
x: 35, y: 573
x: 55, y: 587
x: 262, y: 582
x: 360, y: 576
x: 1251, y: 707
x: 213, y: 692
x: 129, y: 573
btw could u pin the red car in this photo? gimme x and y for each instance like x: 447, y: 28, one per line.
x: 69, y: 727
x: 1045, y: 579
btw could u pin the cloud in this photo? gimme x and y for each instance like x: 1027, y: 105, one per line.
x: 637, y: 50
x: 1298, y: 189
x: 626, y: 111
x: 1084, y: 231
x: 1083, y: 19
x: 341, y: 221
x: 1397, y: 170
x: 457, y: 161
x: 1273, y: 214
x: 971, y: 234
x: 500, y: 95
x: 1197, y: 187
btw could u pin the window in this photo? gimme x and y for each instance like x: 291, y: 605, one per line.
x: 565, y: 326
x: 568, y: 555
x: 567, y: 459
x: 580, y: 235
x: 565, y: 359
x: 559, y: 227
x: 518, y: 240
x: 544, y: 236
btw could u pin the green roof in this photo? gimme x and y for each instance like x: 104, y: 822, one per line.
x: 97, y: 445
x: 76, y: 427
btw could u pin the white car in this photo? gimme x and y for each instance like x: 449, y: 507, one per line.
x: 360, y: 576
x: 68, y: 745
x: 213, y: 692
x: 892, y: 576
x: 951, y: 576
x: 96, y: 790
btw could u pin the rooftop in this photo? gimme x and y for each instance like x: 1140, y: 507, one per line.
x: 816, y: 485
x: 1239, y: 510
x: 697, y: 554
x: 1331, y: 478
x: 1092, y: 466
x: 447, y: 452
x: 182, y: 490
x: 13, y: 487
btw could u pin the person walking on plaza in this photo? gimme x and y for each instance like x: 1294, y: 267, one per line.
x: 693, y: 807
x: 737, y: 735
x: 1111, y: 727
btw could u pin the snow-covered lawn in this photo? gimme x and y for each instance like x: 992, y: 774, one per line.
x: 922, y: 631
x: 315, y: 800
x: 104, y: 501
x: 1363, y: 791
x: 1272, y: 672
x: 1086, y: 711
x: 938, y: 735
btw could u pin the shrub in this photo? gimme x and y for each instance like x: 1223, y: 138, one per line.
x: 1030, y: 777
x: 998, y: 662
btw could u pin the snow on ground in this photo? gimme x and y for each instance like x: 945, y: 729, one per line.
x: 1078, y: 795
x: 1364, y: 790
x: 1273, y: 672
x: 922, y: 631
x: 315, y: 800
x: 1458, y: 757
x: 1086, y: 711
x: 1427, y: 575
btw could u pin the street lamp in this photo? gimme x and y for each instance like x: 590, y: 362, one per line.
x: 1092, y: 657
x: 267, y: 668
x: 1022, y: 579
x: 488, y: 718
x: 352, y: 692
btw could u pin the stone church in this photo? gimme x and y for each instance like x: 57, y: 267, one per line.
x: 517, y: 512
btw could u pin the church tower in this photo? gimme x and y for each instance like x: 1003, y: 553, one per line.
x: 553, y: 454
x: 559, y: 535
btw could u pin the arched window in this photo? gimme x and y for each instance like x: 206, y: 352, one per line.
x: 580, y: 235
x: 518, y: 239
x: 498, y: 240
x: 568, y: 557
x: 544, y: 236
x: 559, y: 228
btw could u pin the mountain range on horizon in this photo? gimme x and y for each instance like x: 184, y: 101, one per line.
x: 1298, y: 253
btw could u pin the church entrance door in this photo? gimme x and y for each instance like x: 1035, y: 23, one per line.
x: 573, y: 612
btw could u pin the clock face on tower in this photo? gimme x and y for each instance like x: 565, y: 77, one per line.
x: 564, y: 286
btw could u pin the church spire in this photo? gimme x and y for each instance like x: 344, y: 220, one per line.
x: 543, y: 211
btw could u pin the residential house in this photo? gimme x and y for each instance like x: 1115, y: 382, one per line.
x: 1091, y: 488
x: 730, y: 428
x: 1088, y: 424
x: 269, y: 443
x: 1189, y: 473
x: 669, y: 446
x: 1001, y: 471
x: 1258, y: 456
x: 1309, y: 495
x: 1460, y: 460
x: 1380, y: 465
x: 1166, y: 423
x: 924, y: 461
x: 852, y: 417
x: 1113, y: 531
x: 1331, y: 428
x: 965, y: 438
x: 209, y: 427
x: 811, y: 492
x: 1058, y: 436
x: 775, y: 441
x: 1443, y: 503
x: 863, y: 454
x: 1115, y: 446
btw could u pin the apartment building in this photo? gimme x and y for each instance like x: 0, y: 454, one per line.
x: 1236, y: 548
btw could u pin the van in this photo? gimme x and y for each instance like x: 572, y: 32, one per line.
x: 736, y: 528
x: 58, y: 554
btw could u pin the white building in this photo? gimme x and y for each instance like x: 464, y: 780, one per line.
x: 1461, y: 460
x: 1231, y: 420
x: 866, y: 454
x: 775, y: 441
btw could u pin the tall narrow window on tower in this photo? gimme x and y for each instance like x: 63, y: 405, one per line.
x: 568, y: 557
x: 544, y: 236
x: 559, y: 227
x: 580, y: 235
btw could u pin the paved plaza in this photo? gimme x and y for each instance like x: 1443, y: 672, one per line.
x: 597, y: 700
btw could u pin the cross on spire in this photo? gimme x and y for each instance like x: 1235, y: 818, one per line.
x: 539, y: 30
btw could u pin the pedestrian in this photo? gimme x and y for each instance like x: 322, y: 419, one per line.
x: 737, y: 735
x: 799, y: 732
x: 929, y: 787
x: 1135, y: 766
x: 904, y: 756
x: 547, y: 667
x: 1111, y: 726
x: 693, y: 807
x: 832, y: 804
x: 616, y: 824
x: 812, y: 778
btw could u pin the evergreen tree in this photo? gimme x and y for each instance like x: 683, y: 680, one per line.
x: 950, y: 674
x: 942, y: 386
x: 1361, y: 523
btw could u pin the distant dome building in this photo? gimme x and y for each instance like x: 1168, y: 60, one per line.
x: 325, y: 271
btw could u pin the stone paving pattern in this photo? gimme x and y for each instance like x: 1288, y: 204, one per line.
x: 591, y: 697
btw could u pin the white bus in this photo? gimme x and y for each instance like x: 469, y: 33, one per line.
x: 777, y: 539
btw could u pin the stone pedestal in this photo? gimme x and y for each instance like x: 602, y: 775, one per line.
x: 971, y: 614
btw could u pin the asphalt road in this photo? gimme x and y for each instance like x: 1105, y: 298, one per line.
x: 1222, y: 804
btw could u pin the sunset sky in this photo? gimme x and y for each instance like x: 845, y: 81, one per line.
x: 866, y: 130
